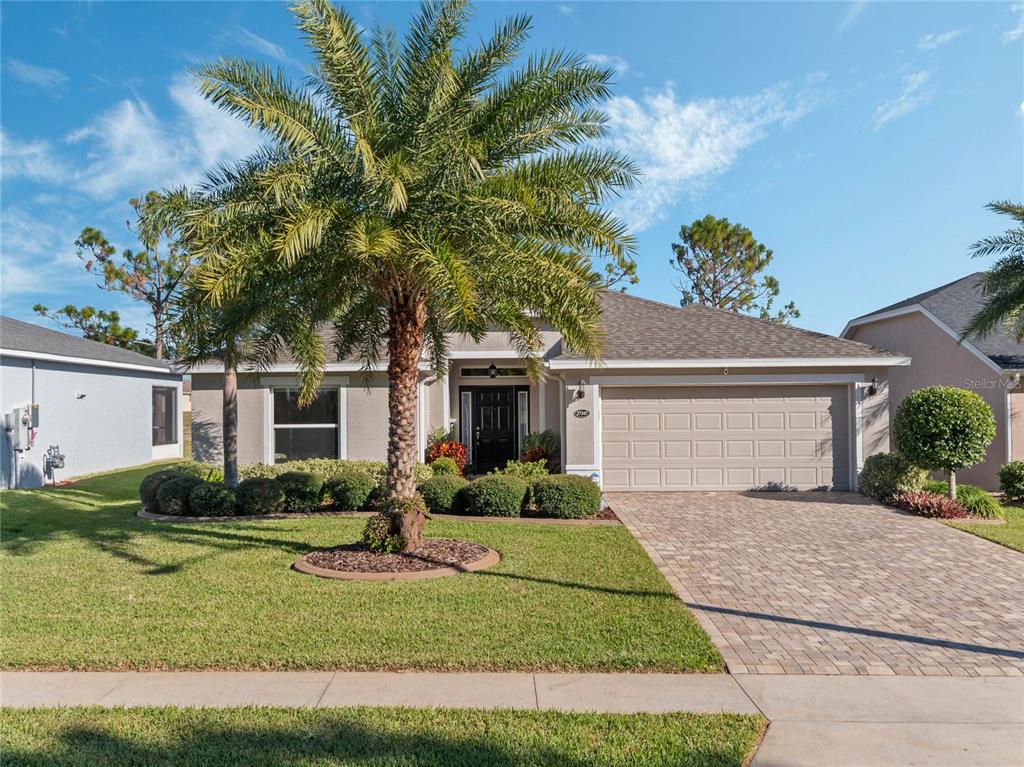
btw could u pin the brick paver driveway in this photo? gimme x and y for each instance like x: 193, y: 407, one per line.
x: 815, y: 583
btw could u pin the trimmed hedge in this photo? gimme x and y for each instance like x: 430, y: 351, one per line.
x: 943, y: 428
x: 325, y: 468
x: 494, y: 496
x: 526, y: 470
x: 885, y: 474
x: 302, y: 491
x: 975, y: 501
x: 441, y: 494
x: 445, y: 465
x: 260, y: 495
x: 172, y: 497
x: 212, y: 499
x: 566, y: 496
x: 350, y: 490
x: 151, y: 483
x: 1011, y: 480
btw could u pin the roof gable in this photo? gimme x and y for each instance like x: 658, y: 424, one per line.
x: 19, y: 336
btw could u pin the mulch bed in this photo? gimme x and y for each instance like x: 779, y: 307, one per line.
x: 433, y: 554
x: 606, y: 513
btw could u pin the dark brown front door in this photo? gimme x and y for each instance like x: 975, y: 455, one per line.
x: 494, y: 427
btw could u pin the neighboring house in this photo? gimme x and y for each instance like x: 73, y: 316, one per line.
x: 99, y: 406
x: 928, y: 327
x: 684, y: 399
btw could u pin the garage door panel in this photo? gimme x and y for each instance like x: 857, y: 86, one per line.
x: 724, y: 438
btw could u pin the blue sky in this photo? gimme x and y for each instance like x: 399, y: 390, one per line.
x: 859, y: 141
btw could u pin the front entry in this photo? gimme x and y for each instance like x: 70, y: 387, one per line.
x: 493, y: 430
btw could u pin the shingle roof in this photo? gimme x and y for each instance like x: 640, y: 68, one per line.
x: 640, y: 329
x: 954, y: 304
x: 26, y: 337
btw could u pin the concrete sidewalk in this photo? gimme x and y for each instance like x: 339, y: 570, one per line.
x: 824, y: 721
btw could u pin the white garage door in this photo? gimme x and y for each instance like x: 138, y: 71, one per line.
x: 724, y: 437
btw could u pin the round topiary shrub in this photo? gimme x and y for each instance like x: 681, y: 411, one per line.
x: 350, y: 490
x: 260, y: 495
x: 1011, y: 480
x: 172, y: 497
x: 212, y: 499
x: 151, y: 483
x: 566, y: 496
x: 885, y: 474
x: 943, y: 428
x: 441, y: 494
x: 445, y: 465
x: 495, y: 495
x: 303, y: 491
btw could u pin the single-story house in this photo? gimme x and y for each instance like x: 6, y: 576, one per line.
x: 98, y: 406
x: 684, y: 398
x: 928, y: 327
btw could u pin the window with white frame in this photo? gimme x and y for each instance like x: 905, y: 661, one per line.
x: 165, y: 415
x: 305, y: 432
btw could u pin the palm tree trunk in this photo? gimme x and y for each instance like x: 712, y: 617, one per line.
x: 230, y: 426
x: 405, y: 344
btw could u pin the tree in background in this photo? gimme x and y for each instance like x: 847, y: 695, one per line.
x: 722, y: 265
x: 1004, y: 283
x: 96, y: 325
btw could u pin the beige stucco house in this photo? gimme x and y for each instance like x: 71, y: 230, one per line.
x: 928, y: 328
x: 683, y: 399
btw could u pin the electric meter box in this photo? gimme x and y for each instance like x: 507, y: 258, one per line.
x: 23, y: 421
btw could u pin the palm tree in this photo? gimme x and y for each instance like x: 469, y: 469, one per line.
x: 1004, y: 282
x: 412, y: 191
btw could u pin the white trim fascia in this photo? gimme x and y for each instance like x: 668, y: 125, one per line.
x: 541, y: 405
x: 779, y: 362
x: 717, y: 380
x: 561, y: 423
x: 41, y: 357
x: 918, y: 309
x: 446, y: 403
x: 596, y: 436
x: 499, y: 354
x: 858, y: 425
x: 581, y: 467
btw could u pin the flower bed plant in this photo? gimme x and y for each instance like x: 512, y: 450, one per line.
x: 931, y: 505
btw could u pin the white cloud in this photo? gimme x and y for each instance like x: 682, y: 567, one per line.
x: 852, y: 14
x: 682, y: 145
x: 931, y: 41
x: 38, y: 256
x: 1015, y: 33
x: 617, y: 63
x: 261, y: 44
x: 28, y: 159
x: 565, y: 10
x: 50, y: 79
x: 216, y: 135
x: 1020, y: 109
x: 814, y: 78
x: 913, y: 95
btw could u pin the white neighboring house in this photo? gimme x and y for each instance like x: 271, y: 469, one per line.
x: 98, y: 406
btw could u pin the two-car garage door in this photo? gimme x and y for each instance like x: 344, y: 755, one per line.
x: 724, y: 437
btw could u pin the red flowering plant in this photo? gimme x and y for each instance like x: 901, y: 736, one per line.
x: 450, y: 448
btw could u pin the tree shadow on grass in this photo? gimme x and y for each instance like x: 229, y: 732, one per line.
x: 338, y: 740
x: 577, y: 585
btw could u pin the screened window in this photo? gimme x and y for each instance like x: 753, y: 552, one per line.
x: 165, y: 415
x: 305, y: 432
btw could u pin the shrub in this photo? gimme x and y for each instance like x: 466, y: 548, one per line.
x: 173, y: 495
x: 494, y: 496
x: 885, y: 474
x: 942, y: 428
x: 454, y: 450
x: 325, y: 468
x: 441, y: 494
x: 208, y: 472
x: 540, y: 446
x: 212, y: 499
x: 975, y: 501
x: 445, y: 465
x: 929, y: 505
x: 350, y: 489
x: 566, y: 496
x: 378, y: 537
x: 260, y: 495
x: 525, y: 470
x: 151, y: 483
x: 303, y: 491
x: 1011, y: 480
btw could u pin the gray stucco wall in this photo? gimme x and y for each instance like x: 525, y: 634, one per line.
x: 110, y: 427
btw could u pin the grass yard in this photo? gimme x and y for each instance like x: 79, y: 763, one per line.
x: 88, y: 585
x: 372, y: 736
x: 1010, y: 535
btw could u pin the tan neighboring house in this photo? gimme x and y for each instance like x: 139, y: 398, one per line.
x: 928, y: 328
x: 683, y: 399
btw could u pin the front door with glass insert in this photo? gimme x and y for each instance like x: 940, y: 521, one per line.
x: 495, y: 419
x: 307, y: 432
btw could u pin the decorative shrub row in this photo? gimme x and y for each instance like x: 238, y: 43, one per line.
x: 441, y: 494
x: 560, y: 496
x: 929, y: 505
x: 976, y: 502
x: 566, y: 496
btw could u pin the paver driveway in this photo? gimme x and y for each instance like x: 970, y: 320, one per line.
x: 816, y: 583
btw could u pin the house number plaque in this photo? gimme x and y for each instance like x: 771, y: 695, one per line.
x: 581, y: 413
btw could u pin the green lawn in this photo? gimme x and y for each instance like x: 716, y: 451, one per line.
x: 88, y: 585
x: 1010, y: 535
x: 372, y: 737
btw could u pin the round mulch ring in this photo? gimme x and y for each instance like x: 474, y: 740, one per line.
x: 435, y: 558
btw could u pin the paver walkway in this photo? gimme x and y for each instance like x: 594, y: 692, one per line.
x: 815, y: 583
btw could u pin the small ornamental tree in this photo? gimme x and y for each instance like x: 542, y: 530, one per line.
x: 943, y: 428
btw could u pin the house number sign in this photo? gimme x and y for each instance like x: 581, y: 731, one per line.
x: 581, y: 413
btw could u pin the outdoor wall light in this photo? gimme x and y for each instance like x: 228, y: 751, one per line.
x: 873, y: 387
x: 492, y: 371
x: 580, y: 393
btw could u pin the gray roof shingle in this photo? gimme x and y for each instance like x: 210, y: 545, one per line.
x: 26, y: 337
x: 641, y: 329
x: 954, y: 304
